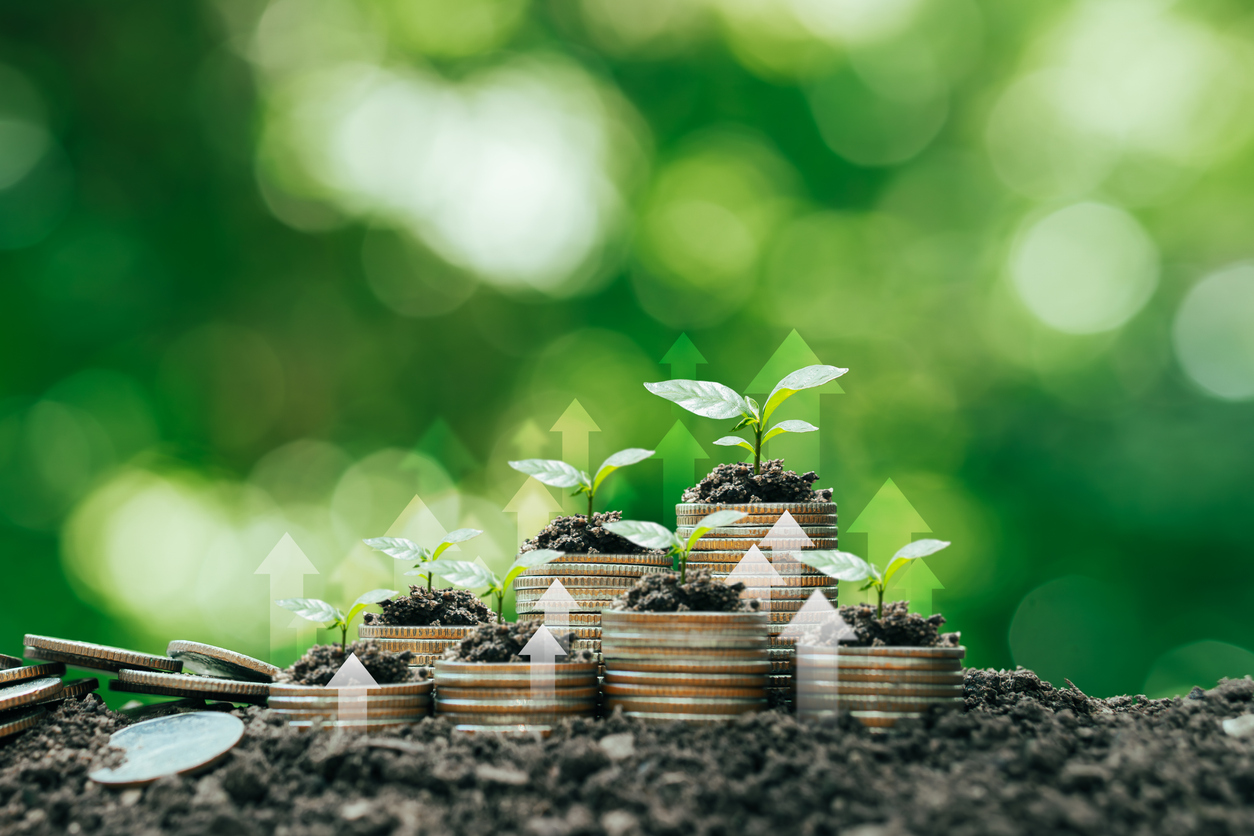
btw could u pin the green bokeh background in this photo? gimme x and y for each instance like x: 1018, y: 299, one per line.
x: 280, y: 267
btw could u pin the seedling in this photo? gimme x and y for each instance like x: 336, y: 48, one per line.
x: 470, y: 575
x: 559, y: 474
x: 844, y: 566
x: 315, y: 609
x: 650, y: 535
x: 402, y: 549
x: 714, y: 400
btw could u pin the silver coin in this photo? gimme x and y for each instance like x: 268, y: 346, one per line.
x: 29, y: 692
x: 218, y: 661
x: 16, y: 722
x: 189, y: 685
x: 97, y: 657
x: 9, y: 662
x: 25, y: 672
x: 173, y: 745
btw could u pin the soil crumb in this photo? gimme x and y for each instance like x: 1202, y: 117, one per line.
x: 320, y: 664
x: 504, y: 643
x: 432, y: 608
x: 898, y: 628
x: 735, y: 482
x: 573, y: 535
x: 702, y: 593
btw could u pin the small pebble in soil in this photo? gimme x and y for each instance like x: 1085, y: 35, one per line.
x: 320, y: 664
x: 504, y: 643
x: 573, y: 535
x: 701, y: 593
x: 432, y: 608
x: 736, y: 482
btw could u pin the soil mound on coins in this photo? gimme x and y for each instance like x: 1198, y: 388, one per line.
x: 1025, y: 759
x: 504, y: 643
x: 320, y: 664
x: 898, y: 628
x: 432, y: 608
x: 574, y: 535
x: 702, y: 593
x: 736, y: 482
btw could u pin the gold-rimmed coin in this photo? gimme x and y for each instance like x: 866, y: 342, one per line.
x: 73, y: 689
x: 528, y: 720
x: 662, y: 718
x: 573, y: 582
x: 394, y: 689
x: 368, y: 712
x: 96, y: 656
x: 776, y: 544
x: 368, y: 727
x: 447, y: 632
x: 642, y: 559
x: 905, y: 652
x: 870, y: 689
x: 564, y: 570
x: 557, y: 705
x: 590, y: 620
x: 616, y: 689
x: 421, y: 647
x: 25, y: 672
x: 460, y: 692
x: 18, y: 721
x: 9, y: 662
x: 767, y: 520
x: 683, y: 680
x: 694, y: 667
x: 561, y: 670
x: 879, y: 702
x: 625, y: 619
x: 756, y: 508
x: 585, y: 600
x: 857, y: 663
x: 685, y: 705
x: 904, y: 678
x: 28, y: 692
x: 209, y: 660
x: 616, y: 654
x: 684, y: 530
x: 400, y: 701
x: 189, y: 685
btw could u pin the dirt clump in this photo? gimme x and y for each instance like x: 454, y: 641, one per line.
x: 424, y: 607
x: 504, y: 643
x: 322, y: 661
x: 736, y: 482
x: 703, y: 592
x: 573, y: 535
x: 897, y: 628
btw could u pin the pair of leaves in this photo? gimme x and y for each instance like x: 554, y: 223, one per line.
x: 650, y: 535
x: 846, y: 566
x: 559, y: 474
x: 470, y: 575
x: 315, y: 609
x: 402, y: 549
x: 794, y: 426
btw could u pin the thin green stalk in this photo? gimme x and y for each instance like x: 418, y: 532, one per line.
x: 757, y: 450
x: 879, y: 609
x: 589, y: 507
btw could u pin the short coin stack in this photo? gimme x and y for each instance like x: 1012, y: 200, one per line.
x: 691, y: 666
x: 426, y: 643
x: 513, y: 697
x: 371, y: 708
x: 26, y: 692
x: 813, y: 525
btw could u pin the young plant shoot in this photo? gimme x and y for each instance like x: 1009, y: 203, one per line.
x: 315, y: 609
x: 559, y: 474
x: 844, y: 566
x: 714, y: 400
x: 470, y: 575
x: 402, y: 549
x: 650, y: 535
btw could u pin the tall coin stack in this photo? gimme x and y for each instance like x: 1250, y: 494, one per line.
x: 508, y: 696
x: 370, y: 708
x: 691, y: 666
x: 813, y: 525
x: 426, y: 643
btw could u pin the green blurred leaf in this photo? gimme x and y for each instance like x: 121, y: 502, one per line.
x: 466, y: 574
x: 843, y: 566
x: 789, y: 427
x: 734, y: 441
x: 313, y: 609
x: 398, y: 548
x: 647, y: 535
x: 461, y: 535
x: 909, y: 552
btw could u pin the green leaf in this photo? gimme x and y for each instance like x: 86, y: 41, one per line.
x: 466, y: 574
x: 536, y: 557
x: 398, y: 547
x: 789, y: 427
x: 909, y: 552
x: 843, y: 566
x: 622, y: 458
x: 710, y: 522
x: 374, y: 596
x: 551, y: 472
x: 702, y: 397
x: 648, y: 535
x: 313, y: 609
x: 734, y: 441
x: 806, y: 378
x: 757, y: 410
x: 422, y: 569
x: 461, y: 535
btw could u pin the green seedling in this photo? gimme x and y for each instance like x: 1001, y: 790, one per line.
x: 714, y: 400
x: 402, y: 549
x: 650, y: 535
x: 559, y: 474
x: 844, y: 566
x: 470, y: 575
x: 315, y: 609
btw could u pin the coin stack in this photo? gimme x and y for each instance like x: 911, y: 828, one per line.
x: 691, y: 666
x: 27, y: 691
x: 371, y: 708
x: 881, y: 685
x: 426, y: 643
x: 204, y: 672
x: 723, y: 548
x: 513, y: 697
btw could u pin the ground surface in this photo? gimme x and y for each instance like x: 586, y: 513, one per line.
x: 1024, y: 758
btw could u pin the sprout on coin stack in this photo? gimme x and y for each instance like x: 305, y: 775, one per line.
x: 321, y: 662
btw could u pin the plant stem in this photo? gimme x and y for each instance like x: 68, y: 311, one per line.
x: 683, y: 568
x: 344, y: 638
x: 589, y: 507
x: 500, y: 606
x: 430, y: 578
x: 757, y: 449
x: 879, y: 609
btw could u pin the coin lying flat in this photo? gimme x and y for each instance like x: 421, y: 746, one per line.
x: 708, y: 543
x: 367, y: 712
x: 368, y: 726
x: 20, y: 721
x: 21, y: 674
x: 680, y: 706
x: 756, y: 508
x: 765, y: 520
x: 662, y: 718
x: 96, y: 656
x: 9, y: 662
x: 306, y: 703
x: 453, y: 632
x: 624, y: 619
x: 29, y: 692
x: 682, y: 680
x: 909, y: 652
x: 557, y: 705
x: 693, y: 667
x: 574, y: 619
x: 189, y: 685
x: 455, y: 692
x: 173, y: 745
x: 756, y: 531
x: 72, y: 690
x: 218, y: 661
x: 694, y: 690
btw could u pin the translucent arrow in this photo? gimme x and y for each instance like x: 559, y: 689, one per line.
x: 683, y: 358
x: 890, y: 522
x: 784, y: 538
x: 417, y: 523
x: 800, y: 450
x: 287, y: 566
x: 534, y: 505
x: 679, y: 451
x: 815, y: 630
x: 758, y: 576
x: 351, y: 682
x: 556, y: 604
x: 575, y: 425
x: 542, y: 650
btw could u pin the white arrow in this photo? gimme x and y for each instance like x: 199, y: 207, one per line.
x: 415, y: 523
x: 351, y: 682
x: 785, y: 537
x: 817, y: 666
x: 758, y: 576
x: 533, y: 504
x: 542, y: 649
x: 556, y: 604
x: 287, y: 566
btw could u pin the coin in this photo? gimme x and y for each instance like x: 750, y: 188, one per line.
x: 9, y: 662
x: 29, y: 692
x: 519, y: 730
x: 580, y: 632
x: 388, y: 631
x: 218, y: 661
x: 557, y: 705
x: 765, y: 520
x: 19, y: 721
x: 21, y: 674
x: 423, y: 647
x: 455, y: 692
x: 662, y: 718
x: 624, y: 619
x: 392, y: 689
x: 640, y: 559
x: 683, y: 680
x: 788, y: 544
x: 757, y: 508
x: 190, y: 685
x: 585, y: 599
x: 868, y: 689
x: 542, y: 582
x: 527, y: 720
x: 686, y: 705
x: 96, y: 656
x: 170, y: 746
x: 623, y: 690
x: 400, y: 701
x: 904, y: 678
x: 613, y: 654
x: 879, y: 702
x: 561, y: 670
x: 684, y: 531
x: 910, y: 652
x: 782, y: 567
x: 368, y: 712
x: 575, y: 619
x: 563, y: 570
x: 890, y: 664
x: 369, y: 727
x: 72, y: 690
x: 693, y: 667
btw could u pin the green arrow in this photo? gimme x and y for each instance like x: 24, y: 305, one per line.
x: 679, y: 452
x: 533, y: 504
x: 800, y: 451
x: 575, y: 425
x: 890, y: 522
x: 530, y: 441
x: 415, y: 523
x: 683, y: 358
x: 442, y: 444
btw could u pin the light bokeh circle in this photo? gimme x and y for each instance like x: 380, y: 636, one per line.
x: 1214, y: 333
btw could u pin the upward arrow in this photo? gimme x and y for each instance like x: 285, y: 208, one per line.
x: 287, y: 566
x: 529, y: 442
x: 785, y: 537
x: 890, y: 522
x: 542, y: 649
x: 352, y: 682
x: 575, y: 425
x: 415, y: 523
x: 442, y: 444
x: 817, y: 667
x: 533, y: 504
x: 556, y: 604
x: 678, y: 451
x: 800, y: 451
x: 758, y: 576
x: 683, y: 358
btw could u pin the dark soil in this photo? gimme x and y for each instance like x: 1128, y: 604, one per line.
x: 735, y: 482
x: 573, y: 535
x: 898, y: 628
x: 322, y: 661
x: 432, y: 608
x: 1025, y: 759
x: 503, y: 643
x: 702, y: 593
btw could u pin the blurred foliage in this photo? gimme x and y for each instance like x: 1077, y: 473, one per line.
x: 280, y: 267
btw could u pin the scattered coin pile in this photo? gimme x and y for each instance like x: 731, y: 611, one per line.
x: 880, y: 685
x: 426, y: 643
x: 372, y: 708
x: 26, y: 691
x: 813, y: 525
x: 691, y: 666
x: 513, y: 697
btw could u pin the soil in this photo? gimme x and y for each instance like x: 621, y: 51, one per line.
x: 432, y: 608
x: 1024, y: 759
x: 735, y: 482
x: 504, y: 643
x: 702, y: 593
x: 322, y: 661
x: 898, y: 628
x: 573, y: 535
